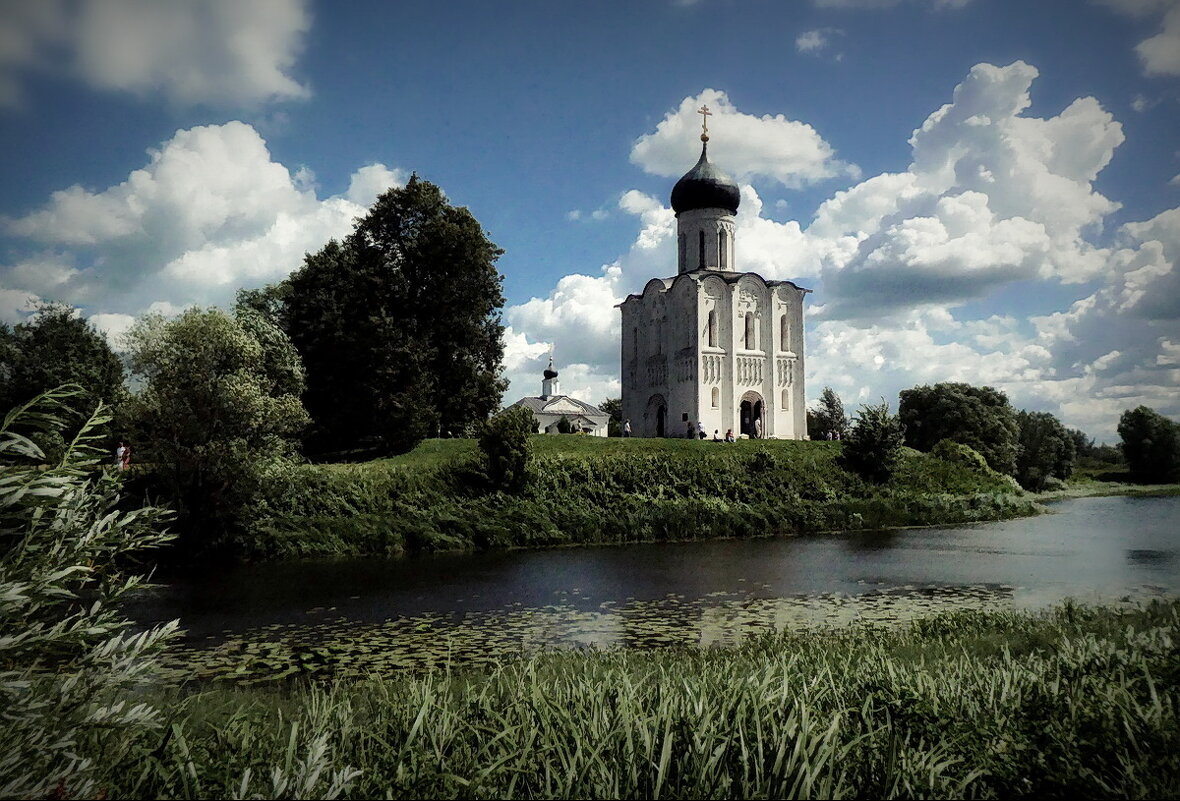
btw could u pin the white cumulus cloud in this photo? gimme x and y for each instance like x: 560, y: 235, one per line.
x: 992, y: 196
x: 1159, y: 54
x: 210, y: 212
x: 204, y: 51
x: 748, y: 146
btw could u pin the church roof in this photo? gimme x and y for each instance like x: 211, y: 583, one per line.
x: 705, y: 187
x: 728, y: 276
x: 561, y: 404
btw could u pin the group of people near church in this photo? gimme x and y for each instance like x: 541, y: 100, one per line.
x: 698, y: 431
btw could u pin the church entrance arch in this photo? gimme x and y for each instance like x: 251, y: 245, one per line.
x: 752, y: 424
x: 656, y: 416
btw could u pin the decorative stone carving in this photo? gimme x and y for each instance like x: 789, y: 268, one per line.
x: 749, y: 370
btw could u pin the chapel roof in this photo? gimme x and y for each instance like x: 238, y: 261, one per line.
x: 570, y: 406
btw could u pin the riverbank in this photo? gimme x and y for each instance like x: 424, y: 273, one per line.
x: 585, y: 490
x: 1081, y: 701
x: 1100, y: 489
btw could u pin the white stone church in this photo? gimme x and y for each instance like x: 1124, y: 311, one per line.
x: 713, y: 345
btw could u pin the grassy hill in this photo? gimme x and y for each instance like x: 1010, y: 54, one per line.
x: 595, y: 490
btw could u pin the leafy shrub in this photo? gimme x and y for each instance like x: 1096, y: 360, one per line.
x: 68, y: 669
x: 873, y: 448
x: 957, y: 453
x: 504, y: 441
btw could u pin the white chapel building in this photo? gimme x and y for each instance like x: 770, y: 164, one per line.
x: 551, y: 407
x: 713, y: 345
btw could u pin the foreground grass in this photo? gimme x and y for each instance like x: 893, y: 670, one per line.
x: 1075, y: 702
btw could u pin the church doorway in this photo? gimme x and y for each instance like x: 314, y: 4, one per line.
x: 656, y: 416
x: 752, y: 424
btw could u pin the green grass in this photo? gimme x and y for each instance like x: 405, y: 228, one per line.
x: 1076, y: 702
x: 433, y: 453
x: 598, y: 490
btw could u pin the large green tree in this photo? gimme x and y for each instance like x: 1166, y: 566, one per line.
x: 827, y: 420
x: 219, y: 407
x: 1047, y: 450
x: 398, y: 325
x: 979, y: 417
x: 55, y: 347
x: 872, y: 448
x: 1151, y: 445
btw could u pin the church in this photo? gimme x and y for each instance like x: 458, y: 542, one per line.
x: 713, y: 346
x: 551, y: 407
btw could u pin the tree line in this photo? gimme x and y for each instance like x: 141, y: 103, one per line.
x: 1035, y: 448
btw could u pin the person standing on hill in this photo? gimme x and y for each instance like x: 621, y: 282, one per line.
x: 627, y: 427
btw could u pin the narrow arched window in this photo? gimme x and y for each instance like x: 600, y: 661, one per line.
x: 683, y: 262
x: 721, y: 261
x: 786, y: 399
x: 701, y: 249
x: 712, y: 328
x: 716, y: 397
x: 784, y: 333
x: 749, y: 331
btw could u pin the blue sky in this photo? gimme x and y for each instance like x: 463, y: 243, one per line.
x: 976, y: 190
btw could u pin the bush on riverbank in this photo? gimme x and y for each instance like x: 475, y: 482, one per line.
x: 592, y: 490
x: 1076, y: 702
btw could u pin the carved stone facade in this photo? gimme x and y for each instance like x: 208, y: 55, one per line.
x: 713, y: 345
x: 721, y: 348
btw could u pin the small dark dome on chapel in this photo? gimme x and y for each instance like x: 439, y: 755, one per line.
x: 705, y: 187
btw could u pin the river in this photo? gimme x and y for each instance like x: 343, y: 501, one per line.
x: 391, y: 613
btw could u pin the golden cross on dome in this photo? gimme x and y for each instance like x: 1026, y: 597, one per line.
x: 705, y: 114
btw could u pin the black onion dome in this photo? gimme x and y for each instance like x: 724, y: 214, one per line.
x: 549, y: 373
x: 705, y: 187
